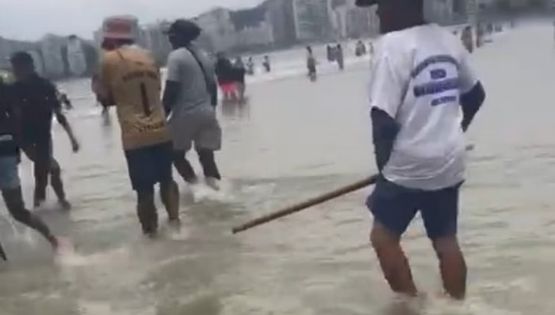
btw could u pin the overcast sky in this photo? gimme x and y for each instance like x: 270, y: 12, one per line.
x: 31, y: 19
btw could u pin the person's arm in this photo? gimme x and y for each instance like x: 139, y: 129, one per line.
x: 61, y: 118
x: 172, y: 89
x: 384, y: 132
x: 171, y: 93
x: 387, y: 89
x: 101, y: 85
x: 471, y: 103
x: 472, y: 93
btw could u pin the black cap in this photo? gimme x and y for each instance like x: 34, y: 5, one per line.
x: 366, y: 3
x: 21, y: 58
x: 189, y: 30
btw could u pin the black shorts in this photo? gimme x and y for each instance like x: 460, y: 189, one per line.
x: 149, y: 166
x: 38, y: 148
x: 395, y: 206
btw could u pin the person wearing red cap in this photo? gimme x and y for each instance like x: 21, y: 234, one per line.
x: 423, y: 97
x: 130, y: 80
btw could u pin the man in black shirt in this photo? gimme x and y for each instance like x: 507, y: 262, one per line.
x: 37, y: 100
x: 9, y: 160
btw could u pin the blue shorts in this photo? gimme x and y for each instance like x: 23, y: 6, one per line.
x: 395, y: 206
x: 150, y: 165
x: 9, y: 175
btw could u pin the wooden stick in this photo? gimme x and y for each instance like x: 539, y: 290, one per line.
x: 3, y: 253
x: 307, y: 204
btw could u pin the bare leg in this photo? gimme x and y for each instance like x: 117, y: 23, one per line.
x: 146, y: 211
x: 392, y: 259
x: 208, y: 162
x: 14, y: 202
x: 57, y: 184
x: 452, y: 266
x: 39, y: 154
x: 184, y: 168
x: 169, y: 193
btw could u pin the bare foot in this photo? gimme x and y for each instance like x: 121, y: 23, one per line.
x: 54, y: 242
x: 65, y: 205
x: 213, y: 183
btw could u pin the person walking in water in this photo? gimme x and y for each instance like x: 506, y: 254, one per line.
x: 239, y: 72
x: 311, y: 64
x: 226, y: 78
x: 422, y: 87
x: 10, y: 184
x: 339, y: 57
x: 250, y: 66
x: 130, y: 79
x: 191, y: 98
x: 266, y: 64
x: 38, y: 101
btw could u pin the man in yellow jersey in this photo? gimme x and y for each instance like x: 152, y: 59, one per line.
x: 130, y: 80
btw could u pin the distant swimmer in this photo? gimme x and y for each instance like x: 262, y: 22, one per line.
x: 330, y: 53
x: 130, y: 80
x: 311, y: 64
x: 190, y: 97
x: 267, y: 65
x: 250, y: 66
x: 339, y: 57
x: 10, y: 184
x: 36, y: 98
x: 360, y: 49
x: 421, y: 82
x: 240, y: 72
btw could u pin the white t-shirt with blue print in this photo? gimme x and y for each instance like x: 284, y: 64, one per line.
x: 418, y: 76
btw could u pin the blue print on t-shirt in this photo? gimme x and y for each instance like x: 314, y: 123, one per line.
x: 437, y: 74
x: 436, y: 87
x: 433, y: 60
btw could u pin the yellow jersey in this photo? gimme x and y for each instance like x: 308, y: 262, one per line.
x: 129, y: 76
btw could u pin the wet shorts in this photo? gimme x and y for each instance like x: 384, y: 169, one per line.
x: 9, y: 176
x: 149, y: 166
x: 199, y: 127
x: 228, y: 87
x: 395, y: 206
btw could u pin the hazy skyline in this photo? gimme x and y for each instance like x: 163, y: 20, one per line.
x: 31, y: 19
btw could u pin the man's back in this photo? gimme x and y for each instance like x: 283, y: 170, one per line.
x: 133, y: 79
x: 36, y: 98
x: 184, y: 69
x: 419, y: 76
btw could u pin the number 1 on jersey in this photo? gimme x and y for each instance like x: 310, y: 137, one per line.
x: 146, y: 102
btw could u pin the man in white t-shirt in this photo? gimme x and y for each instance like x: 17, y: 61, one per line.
x: 423, y: 96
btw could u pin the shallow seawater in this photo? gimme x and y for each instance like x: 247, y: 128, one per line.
x: 294, y: 140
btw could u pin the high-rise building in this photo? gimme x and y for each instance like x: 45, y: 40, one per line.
x: 52, y: 47
x: 156, y: 41
x: 218, y: 31
x: 280, y: 16
x: 447, y: 11
x: 76, y: 59
x: 252, y: 27
x: 350, y: 21
x: 312, y: 20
